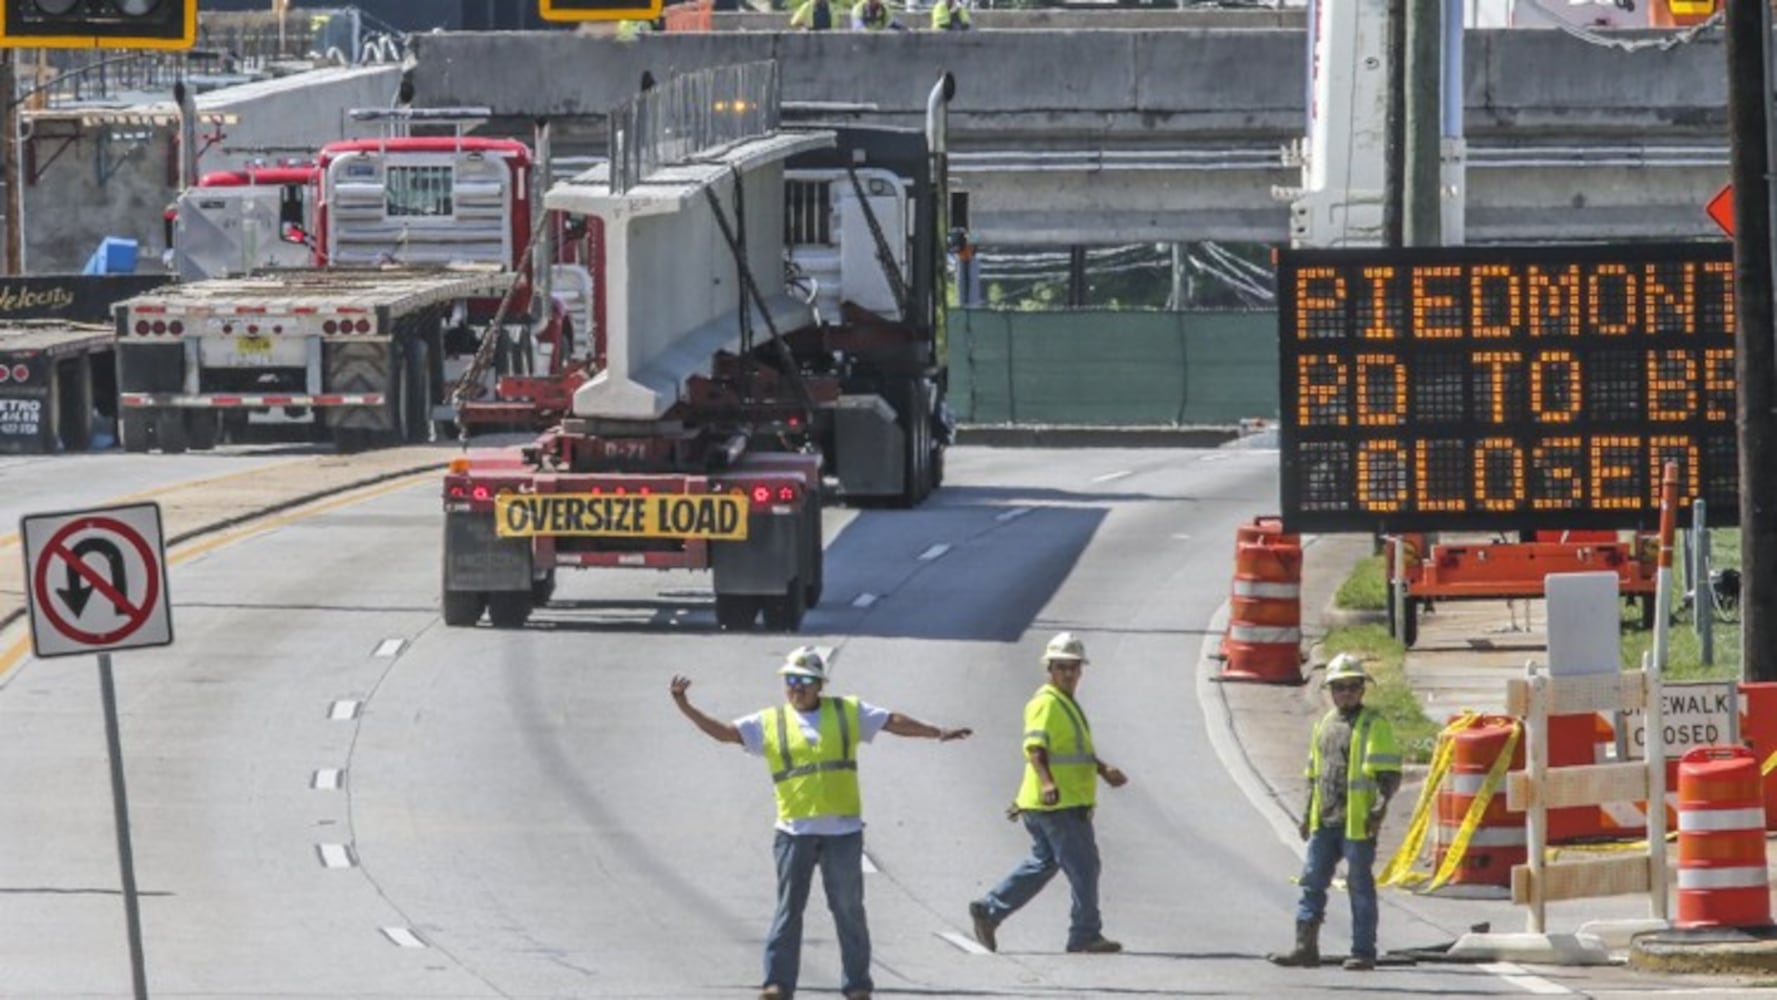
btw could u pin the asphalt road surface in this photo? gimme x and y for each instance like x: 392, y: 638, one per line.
x: 332, y: 795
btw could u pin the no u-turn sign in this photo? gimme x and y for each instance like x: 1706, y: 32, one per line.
x: 96, y: 580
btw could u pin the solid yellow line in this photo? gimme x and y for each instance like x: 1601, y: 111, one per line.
x: 7, y: 541
x: 187, y: 551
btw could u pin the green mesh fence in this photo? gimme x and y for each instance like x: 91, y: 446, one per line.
x: 1112, y: 367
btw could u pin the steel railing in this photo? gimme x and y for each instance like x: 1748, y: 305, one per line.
x: 690, y: 115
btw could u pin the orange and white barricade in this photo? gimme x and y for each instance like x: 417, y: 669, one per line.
x: 1721, y: 840
x: 1264, y: 638
x: 1495, y: 838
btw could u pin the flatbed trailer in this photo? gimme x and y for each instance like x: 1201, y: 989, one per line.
x: 361, y: 348
x: 57, y: 385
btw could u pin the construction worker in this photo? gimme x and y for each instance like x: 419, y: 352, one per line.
x: 1061, y: 772
x: 814, y: 15
x: 1353, y: 770
x: 872, y: 15
x: 950, y: 15
x: 810, y: 747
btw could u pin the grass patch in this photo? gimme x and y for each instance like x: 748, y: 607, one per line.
x: 1383, y: 658
x: 1366, y: 589
x: 1684, y: 646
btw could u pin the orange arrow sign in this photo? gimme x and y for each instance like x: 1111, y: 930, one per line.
x: 1721, y: 209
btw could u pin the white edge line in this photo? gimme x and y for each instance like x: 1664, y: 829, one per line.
x: 870, y: 866
x: 934, y: 552
x: 864, y: 600
x: 327, y: 779
x: 963, y: 944
x: 1109, y: 476
x: 1012, y: 515
x: 390, y: 647
x: 403, y: 937
x: 343, y: 711
x: 1514, y: 974
x: 335, y: 856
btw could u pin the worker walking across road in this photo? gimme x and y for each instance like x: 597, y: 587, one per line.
x: 810, y: 746
x: 1056, y: 799
x: 1354, y: 768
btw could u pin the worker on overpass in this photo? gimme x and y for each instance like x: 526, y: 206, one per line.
x: 810, y: 746
x: 950, y: 15
x: 1354, y: 768
x: 873, y: 15
x: 1056, y: 799
x: 813, y: 15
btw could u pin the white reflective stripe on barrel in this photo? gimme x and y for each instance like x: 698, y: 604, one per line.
x: 1713, y: 820
x: 1744, y: 877
x: 1485, y: 836
x: 1264, y: 633
x: 1259, y: 588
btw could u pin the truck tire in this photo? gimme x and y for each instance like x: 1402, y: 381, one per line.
x: 202, y: 426
x: 463, y: 607
x: 508, y: 609
x: 169, y: 431
x: 736, y: 612
x: 134, y: 429
x: 543, y: 589
x: 416, y: 394
x: 784, y: 614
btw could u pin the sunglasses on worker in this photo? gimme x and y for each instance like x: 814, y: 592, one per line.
x: 799, y: 681
x: 1346, y: 686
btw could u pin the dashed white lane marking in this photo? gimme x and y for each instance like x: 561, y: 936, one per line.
x: 328, y: 779
x: 389, y: 647
x: 1181, y: 538
x: 344, y: 711
x: 869, y: 866
x: 335, y: 855
x: 1111, y: 477
x: 863, y: 600
x: 934, y: 552
x: 1012, y: 515
x: 403, y: 937
x: 1514, y: 974
x: 1220, y: 456
x: 963, y: 944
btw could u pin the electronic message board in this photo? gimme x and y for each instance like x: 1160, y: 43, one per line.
x: 1505, y: 388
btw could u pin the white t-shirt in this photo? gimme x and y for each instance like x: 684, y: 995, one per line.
x: 752, y: 739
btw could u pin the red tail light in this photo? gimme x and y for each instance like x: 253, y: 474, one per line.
x: 482, y: 493
x: 786, y: 494
x: 3, y: 374
x: 761, y: 494
x: 457, y: 492
x: 20, y: 373
x: 330, y: 328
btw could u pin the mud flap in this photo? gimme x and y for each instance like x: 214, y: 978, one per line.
x: 766, y: 562
x: 475, y: 558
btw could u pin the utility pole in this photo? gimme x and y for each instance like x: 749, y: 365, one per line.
x: 1755, y: 355
x: 1394, y: 174
x: 1421, y: 208
x: 9, y: 163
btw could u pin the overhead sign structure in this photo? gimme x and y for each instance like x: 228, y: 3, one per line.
x: 95, y: 580
x: 600, y: 10
x: 1504, y: 388
x: 102, y: 24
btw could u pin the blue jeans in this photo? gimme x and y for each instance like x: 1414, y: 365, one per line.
x: 1325, y: 847
x: 1060, y: 840
x: 841, y: 860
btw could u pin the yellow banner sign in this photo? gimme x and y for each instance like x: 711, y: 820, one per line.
x: 720, y: 517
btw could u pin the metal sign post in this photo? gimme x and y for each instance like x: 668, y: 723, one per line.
x: 95, y: 582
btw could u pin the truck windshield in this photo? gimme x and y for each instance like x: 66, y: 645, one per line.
x: 419, y: 190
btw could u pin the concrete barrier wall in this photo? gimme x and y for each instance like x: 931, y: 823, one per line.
x: 1117, y: 87
x: 93, y: 179
x: 1112, y: 367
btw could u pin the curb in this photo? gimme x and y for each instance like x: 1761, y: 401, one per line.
x: 1718, y: 950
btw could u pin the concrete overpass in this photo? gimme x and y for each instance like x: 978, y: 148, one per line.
x: 1070, y: 136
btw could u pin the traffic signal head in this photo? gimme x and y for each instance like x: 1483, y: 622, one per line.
x: 103, y: 24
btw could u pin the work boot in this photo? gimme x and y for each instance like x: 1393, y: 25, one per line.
x: 1307, y: 953
x: 984, y: 925
x: 773, y: 991
x: 1100, y: 945
x: 1360, y: 963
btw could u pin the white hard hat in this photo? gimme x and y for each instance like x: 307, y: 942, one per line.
x: 804, y: 661
x: 1065, y: 646
x: 1346, y: 667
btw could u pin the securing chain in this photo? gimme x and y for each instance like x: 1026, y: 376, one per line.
x: 490, y: 338
x: 738, y: 249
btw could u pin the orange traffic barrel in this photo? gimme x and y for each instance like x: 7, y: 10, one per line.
x: 1575, y: 740
x: 1758, y: 726
x: 1721, y: 840
x: 1264, y: 638
x: 1497, y: 841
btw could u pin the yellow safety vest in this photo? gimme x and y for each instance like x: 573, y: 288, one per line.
x: 1373, y: 751
x: 1054, y: 722
x: 817, y: 780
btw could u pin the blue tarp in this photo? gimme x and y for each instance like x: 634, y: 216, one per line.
x: 115, y: 255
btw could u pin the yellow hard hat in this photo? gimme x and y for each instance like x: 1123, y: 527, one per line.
x: 1346, y: 667
x: 804, y: 661
x: 1065, y: 646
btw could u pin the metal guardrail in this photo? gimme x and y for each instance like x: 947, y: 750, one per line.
x: 689, y: 115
